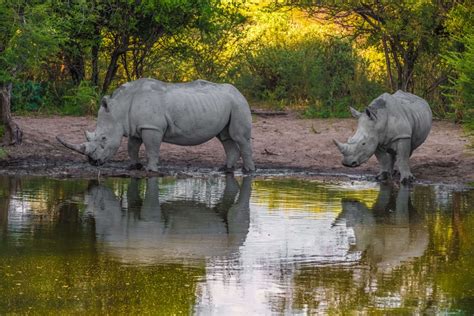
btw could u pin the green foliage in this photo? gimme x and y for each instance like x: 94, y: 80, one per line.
x: 62, y: 55
x: 27, y: 96
x: 81, y: 100
x: 3, y: 152
x: 318, y: 74
x: 30, y: 38
x: 463, y: 81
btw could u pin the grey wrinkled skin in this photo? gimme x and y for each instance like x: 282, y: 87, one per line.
x: 391, y: 127
x: 150, y: 111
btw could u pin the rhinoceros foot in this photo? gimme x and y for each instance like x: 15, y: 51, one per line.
x: 135, y: 166
x: 226, y: 169
x: 406, y: 178
x: 383, y: 176
x: 248, y: 171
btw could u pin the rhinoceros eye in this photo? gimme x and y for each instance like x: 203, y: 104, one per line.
x: 363, y: 144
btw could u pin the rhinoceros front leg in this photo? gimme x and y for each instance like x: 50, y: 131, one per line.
x: 386, y: 162
x: 134, y: 144
x: 152, y: 140
x: 403, y: 154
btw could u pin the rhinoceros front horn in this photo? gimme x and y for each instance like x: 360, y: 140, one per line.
x: 340, y: 146
x: 79, y: 148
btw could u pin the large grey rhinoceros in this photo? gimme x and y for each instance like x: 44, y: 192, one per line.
x: 152, y: 111
x: 392, y: 127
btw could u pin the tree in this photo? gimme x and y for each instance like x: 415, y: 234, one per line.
x: 27, y: 36
x: 403, y: 30
x: 130, y: 37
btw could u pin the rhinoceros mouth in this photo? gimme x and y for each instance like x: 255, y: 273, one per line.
x: 352, y: 164
x: 95, y: 162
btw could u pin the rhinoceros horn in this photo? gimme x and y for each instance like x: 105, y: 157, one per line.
x: 89, y: 135
x: 79, y: 148
x: 342, y: 147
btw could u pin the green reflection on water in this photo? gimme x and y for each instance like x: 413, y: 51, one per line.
x: 171, y: 246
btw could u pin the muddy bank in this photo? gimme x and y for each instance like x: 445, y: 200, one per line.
x: 282, y: 144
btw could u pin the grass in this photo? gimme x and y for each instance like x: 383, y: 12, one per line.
x: 3, y: 153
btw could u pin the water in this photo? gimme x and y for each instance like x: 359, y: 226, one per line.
x: 225, y: 245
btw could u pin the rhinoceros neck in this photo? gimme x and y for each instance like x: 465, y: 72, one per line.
x: 121, y: 116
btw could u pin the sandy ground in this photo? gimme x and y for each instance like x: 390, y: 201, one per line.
x: 283, y: 144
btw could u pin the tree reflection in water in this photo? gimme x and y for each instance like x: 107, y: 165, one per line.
x: 202, y: 245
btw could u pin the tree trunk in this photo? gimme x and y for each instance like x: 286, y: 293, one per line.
x: 12, y: 133
x: 387, y: 62
x: 95, y: 65
x: 111, y: 71
x: 121, y: 45
x: 75, y: 62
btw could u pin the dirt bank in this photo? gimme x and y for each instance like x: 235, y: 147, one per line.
x: 280, y: 142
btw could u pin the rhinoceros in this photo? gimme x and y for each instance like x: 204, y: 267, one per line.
x: 391, y: 127
x: 151, y: 111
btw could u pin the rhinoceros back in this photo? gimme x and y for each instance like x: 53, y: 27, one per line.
x: 417, y: 114
x: 191, y: 113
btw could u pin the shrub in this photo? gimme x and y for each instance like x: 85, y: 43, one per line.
x: 27, y: 96
x: 322, y: 76
x: 81, y: 100
x: 463, y: 82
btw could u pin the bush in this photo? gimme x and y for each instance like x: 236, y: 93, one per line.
x: 318, y: 75
x: 27, y: 96
x: 463, y: 82
x: 81, y: 100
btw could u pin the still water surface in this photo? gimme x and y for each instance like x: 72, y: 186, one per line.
x: 225, y: 245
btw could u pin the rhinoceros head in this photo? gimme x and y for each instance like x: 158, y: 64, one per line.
x: 362, y: 145
x: 103, y: 143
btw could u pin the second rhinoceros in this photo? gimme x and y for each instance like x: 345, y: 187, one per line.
x: 391, y: 127
x: 151, y: 111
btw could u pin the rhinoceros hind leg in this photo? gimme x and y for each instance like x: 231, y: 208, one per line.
x: 226, y: 169
x: 245, y: 146
x: 232, y: 151
x: 246, y: 152
x: 152, y: 140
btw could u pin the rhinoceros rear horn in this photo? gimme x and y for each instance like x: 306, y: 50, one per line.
x: 79, y: 148
x: 340, y: 146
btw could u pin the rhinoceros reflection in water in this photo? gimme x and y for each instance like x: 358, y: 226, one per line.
x: 391, y: 233
x: 176, y: 230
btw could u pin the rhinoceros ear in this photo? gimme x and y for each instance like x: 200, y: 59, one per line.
x: 105, y: 103
x: 354, y: 112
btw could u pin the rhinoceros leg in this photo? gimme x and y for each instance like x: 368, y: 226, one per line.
x: 152, y: 140
x: 240, y: 131
x: 246, y: 152
x: 232, y: 151
x: 403, y: 154
x: 134, y: 144
x: 386, y: 162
